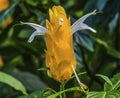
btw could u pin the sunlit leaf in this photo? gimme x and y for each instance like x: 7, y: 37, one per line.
x: 115, y: 81
x: 66, y: 90
x: 106, y: 79
x: 110, y: 88
x: 102, y: 94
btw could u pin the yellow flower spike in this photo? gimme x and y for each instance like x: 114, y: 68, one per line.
x: 60, y: 58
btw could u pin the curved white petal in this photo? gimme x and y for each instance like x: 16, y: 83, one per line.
x: 40, y: 30
x: 80, y: 25
x: 32, y: 36
x: 85, y: 26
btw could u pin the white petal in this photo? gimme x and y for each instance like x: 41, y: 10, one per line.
x: 36, y: 26
x: 85, y: 26
x: 40, y: 30
x: 79, y: 25
x: 32, y: 36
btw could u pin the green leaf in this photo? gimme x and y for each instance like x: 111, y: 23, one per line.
x: 113, y: 23
x: 5, y: 14
x: 36, y: 94
x: 110, y: 88
x: 33, y: 2
x: 78, y: 54
x: 115, y: 81
x: 44, y: 93
x: 101, y: 4
x: 106, y: 79
x: 11, y: 81
x: 110, y: 94
x: 24, y: 33
x: 84, y: 39
x: 66, y: 90
x: 56, y: 1
x: 96, y: 95
x: 79, y: 74
x: 101, y: 42
x: 111, y: 51
x: 31, y: 82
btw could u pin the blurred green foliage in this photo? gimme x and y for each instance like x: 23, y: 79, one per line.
x: 95, y: 53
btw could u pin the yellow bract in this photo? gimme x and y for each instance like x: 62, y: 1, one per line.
x: 7, y: 22
x: 60, y: 58
x: 4, y: 4
x: 59, y: 42
x: 1, y: 62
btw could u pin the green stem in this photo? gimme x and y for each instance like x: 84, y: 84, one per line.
x: 62, y: 87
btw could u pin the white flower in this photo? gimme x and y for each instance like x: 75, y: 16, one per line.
x: 78, y: 25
